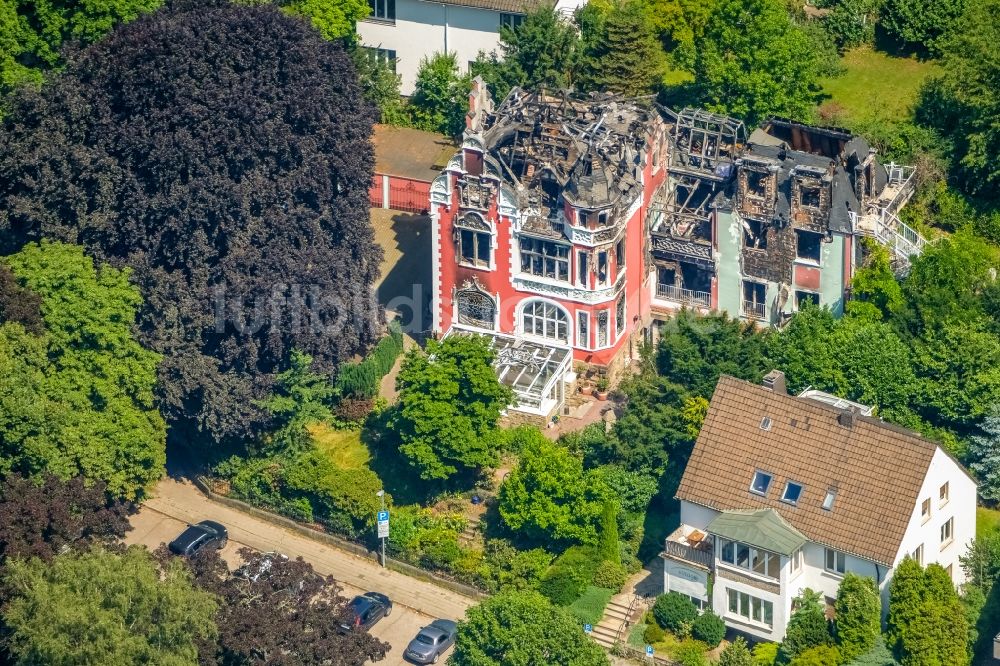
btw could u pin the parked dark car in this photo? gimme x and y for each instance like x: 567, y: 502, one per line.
x: 431, y: 642
x: 196, y: 537
x: 365, y: 610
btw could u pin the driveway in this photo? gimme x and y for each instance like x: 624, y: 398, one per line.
x: 415, y: 602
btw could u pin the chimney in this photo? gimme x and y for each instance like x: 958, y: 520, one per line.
x: 846, y: 418
x: 775, y: 381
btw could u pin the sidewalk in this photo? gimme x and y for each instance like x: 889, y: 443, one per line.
x: 181, y: 502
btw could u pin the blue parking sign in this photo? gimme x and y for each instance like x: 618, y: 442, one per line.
x: 649, y: 649
x: 587, y: 628
x: 383, y: 516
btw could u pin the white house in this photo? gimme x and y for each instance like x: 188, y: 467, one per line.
x: 785, y: 492
x: 404, y: 32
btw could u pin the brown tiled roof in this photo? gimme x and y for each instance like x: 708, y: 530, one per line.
x: 506, y: 6
x: 410, y: 153
x: 876, y: 469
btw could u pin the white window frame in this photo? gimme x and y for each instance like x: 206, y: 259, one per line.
x: 839, y: 558
x: 944, y: 494
x: 607, y: 340
x: 384, y: 5
x: 947, y: 532
x: 512, y: 21
x: 533, y: 253
x: 738, y: 600
x: 925, y: 510
x: 753, y: 553
x: 830, y: 499
x: 784, y: 493
x: 583, y: 339
x: 767, y: 486
x: 918, y: 555
x: 795, y: 562
x: 546, y: 320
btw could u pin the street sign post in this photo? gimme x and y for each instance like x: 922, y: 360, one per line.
x: 649, y: 650
x: 587, y: 628
x: 383, y: 524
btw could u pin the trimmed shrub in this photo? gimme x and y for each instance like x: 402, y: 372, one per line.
x: 673, y: 610
x: 563, y: 585
x: 611, y: 575
x: 361, y: 380
x: 691, y: 653
x: 709, y: 627
x: 821, y: 655
x: 354, y: 411
x: 765, y: 654
x: 653, y: 633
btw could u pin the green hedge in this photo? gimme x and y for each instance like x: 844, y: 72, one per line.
x: 589, y: 608
x: 361, y: 380
x: 570, y: 574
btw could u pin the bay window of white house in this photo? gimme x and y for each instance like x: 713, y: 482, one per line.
x: 749, y: 607
x: 750, y: 558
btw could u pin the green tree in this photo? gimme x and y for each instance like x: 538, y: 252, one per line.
x: 753, y: 62
x: 984, y: 457
x: 608, y: 539
x: 380, y: 84
x: 104, y: 608
x: 300, y: 397
x: 736, y: 654
x: 78, y: 400
x: 549, y: 499
x: 920, y: 24
x: 807, y: 628
x: 334, y: 19
x: 449, y: 405
x: 439, y: 96
x: 880, y: 655
x: 859, y: 616
x: 875, y: 282
x: 961, y: 103
x: 523, y: 629
x: 927, y: 622
x: 16, y: 40
x: 624, y: 55
x: 679, y: 24
x: 905, y: 596
x: 540, y: 52
x: 852, y: 22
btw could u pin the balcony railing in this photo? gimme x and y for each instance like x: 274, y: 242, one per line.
x: 753, y: 310
x: 701, y: 555
x: 686, y: 296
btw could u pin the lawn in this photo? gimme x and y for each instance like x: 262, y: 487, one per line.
x: 987, y: 521
x: 875, y: 84
x: 344, y: 447
x: 589, y: 608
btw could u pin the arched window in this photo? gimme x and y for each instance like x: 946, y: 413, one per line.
x: 546, y: 320
x: 476, y: 308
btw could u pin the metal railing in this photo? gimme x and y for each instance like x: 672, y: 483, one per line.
x: 685, y: 552
x: 627, y: 623
x: 681, y: 295
x: 753, y: 310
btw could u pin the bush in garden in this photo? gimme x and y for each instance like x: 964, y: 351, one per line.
x: 765, y: 654
x: 821, y: 655
x: 736, y: 654
x: 504, y: 566
x: 653, y: 633
x: 610, y: 575
x: 354, y: 411
x: 673, y: 610
x: 563, y: 585
x: 709, y: 627
x: 691, y: 653
x: 361, y: 380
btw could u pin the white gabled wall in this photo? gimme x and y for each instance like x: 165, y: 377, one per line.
x: 961, y: 506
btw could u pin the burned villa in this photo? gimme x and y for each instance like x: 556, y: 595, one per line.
x: 567, y: 225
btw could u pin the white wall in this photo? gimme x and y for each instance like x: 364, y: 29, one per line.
x: 696, y: 516
x: 961, y: 506
x: 419, y: 31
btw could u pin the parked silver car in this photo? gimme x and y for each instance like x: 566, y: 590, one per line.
x: 431, y: 642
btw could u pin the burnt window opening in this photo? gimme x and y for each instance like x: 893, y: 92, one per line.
x: 620, y: 253
x: 754, y: 234
x: 809, y: 195
x: 757, y: 183
x: 602, y: 218
x: 602, y: 266
x: 807, y: 245
x: 666, y: 277
x: 581, y: 265
x: 544, y: 259
x: 754, y: 292
x: 695, y: 278
x: 475, y: 248
x: 581, y: 218
x: 805, y: 298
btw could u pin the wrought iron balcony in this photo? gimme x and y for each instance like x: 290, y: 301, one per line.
x: 753, y: 310
x: 685, y: 296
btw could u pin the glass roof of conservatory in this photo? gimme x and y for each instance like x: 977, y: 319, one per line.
x: 529, y: 368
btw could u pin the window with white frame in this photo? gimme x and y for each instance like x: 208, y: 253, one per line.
x: 545, y: 320
x: 750, y: 607
x: 793, y: 491
x: 947, y: 531
x: 918, y: 555
x: 795, y: 561
x: 620, y: 315
x: 835, y: 561
x: 544, y: 258
x: 383, y: 56
x: 831, y: 495
x: 760, y: 483
x: 583, y: 329
x: 475, y: 241
x: 943, y: 494
x: 602, y: 328
x: 925, y: 510
x: 751, y: 558
x: 382, y: 10
x: 511, y: 20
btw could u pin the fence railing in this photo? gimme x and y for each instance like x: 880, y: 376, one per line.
x: 681, y: 295
x: 753, y: 310
x: 685, y: 552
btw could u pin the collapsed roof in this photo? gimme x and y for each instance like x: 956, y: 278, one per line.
x: 588, y: 148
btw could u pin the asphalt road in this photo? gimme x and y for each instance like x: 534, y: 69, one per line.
x: 415, y: 602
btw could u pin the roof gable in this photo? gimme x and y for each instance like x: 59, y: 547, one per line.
x: 876, y: 470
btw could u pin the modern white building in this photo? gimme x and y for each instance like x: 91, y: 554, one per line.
x: 404, y: 32
x: 785, y: 492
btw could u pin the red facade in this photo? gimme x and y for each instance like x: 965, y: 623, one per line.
x: 523, y: 247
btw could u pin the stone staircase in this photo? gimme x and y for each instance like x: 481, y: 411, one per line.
x: 616, y: 614
x: 472, y: 533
